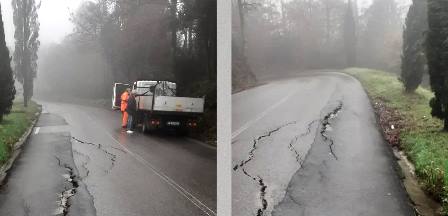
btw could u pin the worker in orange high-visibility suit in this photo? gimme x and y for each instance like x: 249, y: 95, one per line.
x: 124, y: 104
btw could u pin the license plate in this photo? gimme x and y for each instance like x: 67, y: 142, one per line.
x: 173, y: 123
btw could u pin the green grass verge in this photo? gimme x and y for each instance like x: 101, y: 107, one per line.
x: 421, y: 136
x: 14, y: 125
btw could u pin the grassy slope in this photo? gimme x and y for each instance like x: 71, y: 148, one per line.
x: 14, y: 125
x: 421, y: 136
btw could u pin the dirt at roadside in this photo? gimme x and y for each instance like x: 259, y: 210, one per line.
x: 390, y: 120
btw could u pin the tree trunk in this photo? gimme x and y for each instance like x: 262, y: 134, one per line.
x: 27, y: 89
x: 190, y: 41
x: 173, y: 9
x: 242, y: 24
x: 445, y: 127
x: 283, y: 11
x: 327, y: 21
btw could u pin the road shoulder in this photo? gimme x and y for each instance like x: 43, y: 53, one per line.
x: 30, y: 115
x: 412, y: 133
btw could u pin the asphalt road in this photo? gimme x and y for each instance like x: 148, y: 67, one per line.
x: 310, y: 146
x: 79, y: 162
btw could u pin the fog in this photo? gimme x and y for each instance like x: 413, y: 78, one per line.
x: 54, y: 20
x: 55, y: 25
x: 87, y: 46
x: 271, y: 38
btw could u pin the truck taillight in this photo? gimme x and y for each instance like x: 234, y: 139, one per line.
x: 155, y: 122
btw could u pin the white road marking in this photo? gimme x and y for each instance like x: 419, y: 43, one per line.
x: 262, y: 115
x: 36, y: 131
x: 190, y: 197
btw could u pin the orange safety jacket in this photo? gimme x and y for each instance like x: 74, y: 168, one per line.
x: 124, y: 101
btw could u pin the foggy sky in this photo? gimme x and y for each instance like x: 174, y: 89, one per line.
x: 53, y: 16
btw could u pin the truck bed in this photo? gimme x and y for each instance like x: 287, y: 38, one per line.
x: 171, y: 104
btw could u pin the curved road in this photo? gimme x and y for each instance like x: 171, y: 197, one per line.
x: 79, y: 154
x: 310, y: 146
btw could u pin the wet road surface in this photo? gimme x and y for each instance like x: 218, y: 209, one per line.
x: 79, y: 153
x: 310, y: 146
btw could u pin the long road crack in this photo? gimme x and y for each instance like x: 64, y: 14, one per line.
x: 258, y: 179
x: 255, y: 143
x: 291, y: 147
x: 326, y: 126
x: 84, y: 163
x: 112, y: 157
x: 64, y: 196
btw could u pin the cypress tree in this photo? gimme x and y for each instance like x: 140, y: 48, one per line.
x: 7, y: 88
x: 26, y: 21
x: 437, y: 55
x: 413, y: 59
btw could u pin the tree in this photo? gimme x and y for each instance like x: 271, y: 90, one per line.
x: 26, y: 36
x: 350, y: 35
x: 437, y: 55
x: 242, y: 74
x: 413, y: 58
x: 381, y: 36
x: 6, y: 76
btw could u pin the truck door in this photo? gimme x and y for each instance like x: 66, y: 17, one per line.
x: 119, y: 88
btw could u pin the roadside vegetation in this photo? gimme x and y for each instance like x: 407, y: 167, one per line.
x: 418, y: 133
x: 14, y: 126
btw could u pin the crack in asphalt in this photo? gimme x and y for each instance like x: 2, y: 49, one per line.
x: 84, y: 163
x: 258, y: 179
x: 326, y: 125
x: 302, y: 207
x: 112, y: 157
x: 256, y: 141
x: 64, y: 197
x: 296, y: 138
x: 264, y: 202
x: 263, y: 187
x: 26, y: 208
x: 118, y: 149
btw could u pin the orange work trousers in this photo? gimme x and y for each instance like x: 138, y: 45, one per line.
x: 124, y: 121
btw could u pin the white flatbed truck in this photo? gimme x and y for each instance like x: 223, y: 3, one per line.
x: 158, y: 106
